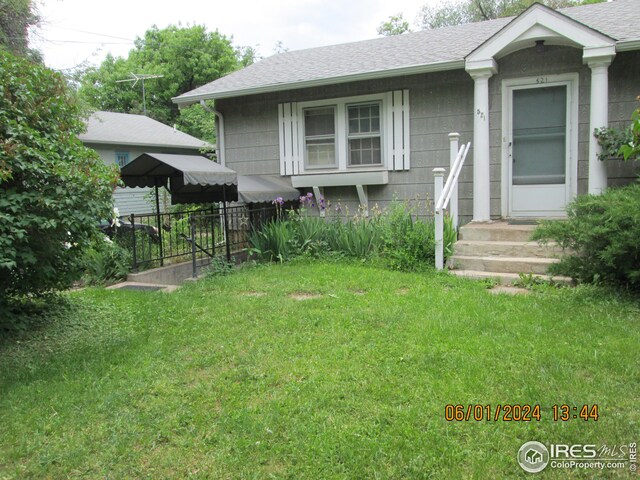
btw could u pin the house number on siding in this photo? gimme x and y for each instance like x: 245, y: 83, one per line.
x: 480, y: 114
x: 542, y: 80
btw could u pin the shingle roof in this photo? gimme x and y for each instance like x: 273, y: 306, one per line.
x: 136, y: 130
x: 440, y: 49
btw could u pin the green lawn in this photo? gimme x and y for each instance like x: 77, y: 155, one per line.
x: 313, y: 370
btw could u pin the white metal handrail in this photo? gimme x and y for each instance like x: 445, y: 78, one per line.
x: 444, y: 195
x: 452, y: 180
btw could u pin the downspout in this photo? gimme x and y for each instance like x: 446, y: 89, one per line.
x: 219, y: 132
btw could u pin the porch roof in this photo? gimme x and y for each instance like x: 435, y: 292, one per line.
x: 419, y: 52
x: 189, y: 178
x: 265, y: 189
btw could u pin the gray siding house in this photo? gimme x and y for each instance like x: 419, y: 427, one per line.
x: 120, y: 138
x: 366, y: 121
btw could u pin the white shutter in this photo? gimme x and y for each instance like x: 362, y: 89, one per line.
x: 398, y: 147
x: 288, y: 129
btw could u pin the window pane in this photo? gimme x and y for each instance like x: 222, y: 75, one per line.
x: 321, y: 152
x: 365, y: 151
x: 319, y: 121
x: 122, y: 158
x: 319, y: 124
x: 364, y: 118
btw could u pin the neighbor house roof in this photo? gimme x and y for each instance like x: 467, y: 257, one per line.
x: 135, y: 130
x: 424, y: 51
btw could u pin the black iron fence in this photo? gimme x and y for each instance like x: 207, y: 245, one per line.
x: 198, y: 235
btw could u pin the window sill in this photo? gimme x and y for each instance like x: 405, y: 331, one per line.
x: 341, y: 178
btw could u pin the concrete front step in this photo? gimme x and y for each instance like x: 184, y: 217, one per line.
x: 496, y: 232
x: 506, y: 278
x: 502, y: 264
x: 507, y: 249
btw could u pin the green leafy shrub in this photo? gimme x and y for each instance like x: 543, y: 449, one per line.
x: 631, y: 148
x: 220, y: 267
x: 105, y: 262
x: 54, y: 189
x: 602, y: 233
x: 620, y: 143
x: 409, y: 243
x: 611, y: 140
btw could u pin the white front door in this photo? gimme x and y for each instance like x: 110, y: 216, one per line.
x: 540, y: 148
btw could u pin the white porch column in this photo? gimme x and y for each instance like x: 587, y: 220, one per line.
x: 481, y: 174
x: 599, y: 117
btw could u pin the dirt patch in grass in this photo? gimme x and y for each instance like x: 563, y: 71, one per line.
x: 402, y: 291
x: 505, y: 289
x: 253, y: 294
x: 304, y: 296
x: 359, y: 292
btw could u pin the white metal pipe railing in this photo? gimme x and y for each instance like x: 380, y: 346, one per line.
x: 444, y: 193
x: 452, y: 180
x: 454, y: 138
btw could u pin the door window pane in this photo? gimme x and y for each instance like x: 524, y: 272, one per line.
x: 539, y: 135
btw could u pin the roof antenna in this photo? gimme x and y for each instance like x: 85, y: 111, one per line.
x: 142, y: 77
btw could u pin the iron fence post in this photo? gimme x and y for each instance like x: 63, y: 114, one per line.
x: 158, y: 221
x: 194, y: 266
x: 226, y: 223
x: 213, y: 231
x: 134, y: 260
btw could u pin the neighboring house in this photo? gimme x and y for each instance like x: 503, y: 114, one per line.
x: 364, y: 121
x: 120, y: 137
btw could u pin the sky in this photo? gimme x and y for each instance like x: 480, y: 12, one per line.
x: 74, y: 32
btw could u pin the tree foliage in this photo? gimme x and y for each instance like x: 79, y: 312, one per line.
x: 16, y: 18
x: 54, y: 189
x: 186, y: 57
x: 396, y: 25
x: 456, y: 12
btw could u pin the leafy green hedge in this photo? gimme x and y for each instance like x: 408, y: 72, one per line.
x: 54, y: 189
x: 603, y: 232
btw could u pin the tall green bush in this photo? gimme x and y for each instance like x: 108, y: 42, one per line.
x: 602, y: 234
x: 53, y: 188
